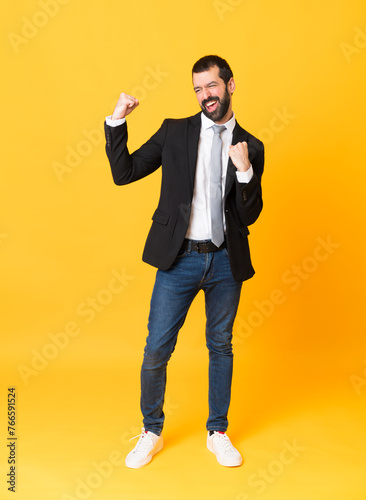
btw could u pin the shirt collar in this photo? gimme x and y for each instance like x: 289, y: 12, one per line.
x: 206, y: 123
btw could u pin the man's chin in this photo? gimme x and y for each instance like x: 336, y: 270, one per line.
x: 212, y: 116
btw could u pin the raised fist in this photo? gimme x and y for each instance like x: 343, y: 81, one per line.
x: 239, y: 156
x: 125, y: 105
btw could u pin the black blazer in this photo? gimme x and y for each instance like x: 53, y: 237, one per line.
x: 174, y: 147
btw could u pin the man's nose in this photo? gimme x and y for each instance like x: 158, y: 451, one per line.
x: 206, y: 93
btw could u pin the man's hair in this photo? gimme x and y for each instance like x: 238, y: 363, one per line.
x: 207, y: 62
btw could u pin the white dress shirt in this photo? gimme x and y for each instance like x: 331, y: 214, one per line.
x: 200, y: 222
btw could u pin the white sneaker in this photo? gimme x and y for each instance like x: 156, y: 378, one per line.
x: 147, y: 446
x: 220, y: 444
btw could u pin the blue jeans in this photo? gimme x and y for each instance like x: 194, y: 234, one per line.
x: 173, y: 293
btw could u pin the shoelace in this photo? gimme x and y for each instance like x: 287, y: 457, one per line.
x: 143, y: 443
x: 224, y: 443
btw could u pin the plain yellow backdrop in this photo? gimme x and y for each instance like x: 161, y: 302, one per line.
x: 75, y: 293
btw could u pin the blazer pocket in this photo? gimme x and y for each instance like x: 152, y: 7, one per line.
x: 160, y: 217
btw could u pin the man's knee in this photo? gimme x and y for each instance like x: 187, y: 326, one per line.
x: 156, y: 356
x: 223, y: 347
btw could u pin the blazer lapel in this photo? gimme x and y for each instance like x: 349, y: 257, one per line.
x: 194, y: 129
x: 239, y: 135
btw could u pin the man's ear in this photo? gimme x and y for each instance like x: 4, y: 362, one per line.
x: 231, y: 85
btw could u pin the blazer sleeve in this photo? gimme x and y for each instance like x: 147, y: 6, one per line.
x: 249, y: 201
x: 126, y: 167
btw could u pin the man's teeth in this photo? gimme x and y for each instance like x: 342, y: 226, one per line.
x: 209, y: 104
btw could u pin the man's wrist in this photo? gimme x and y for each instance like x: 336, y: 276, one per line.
x: 244, y: 168
x: 117, y: 117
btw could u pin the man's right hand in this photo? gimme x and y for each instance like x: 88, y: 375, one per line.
x: 125, y: 105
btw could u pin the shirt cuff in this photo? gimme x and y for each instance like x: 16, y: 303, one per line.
x: 245, y: 176
x: 114, y: 123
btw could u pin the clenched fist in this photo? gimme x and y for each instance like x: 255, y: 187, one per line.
x: 239, y: 156
x: 125, y: 105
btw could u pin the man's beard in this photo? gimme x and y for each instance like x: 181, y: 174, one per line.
x: 221, y: 110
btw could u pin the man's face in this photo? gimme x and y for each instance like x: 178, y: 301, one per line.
x: 214, y: 97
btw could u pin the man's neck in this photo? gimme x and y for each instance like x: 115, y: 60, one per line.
x: 226, y: 118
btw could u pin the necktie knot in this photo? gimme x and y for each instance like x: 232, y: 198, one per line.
x: 218, y: 129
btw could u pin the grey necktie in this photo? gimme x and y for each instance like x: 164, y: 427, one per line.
x: 217, y: 223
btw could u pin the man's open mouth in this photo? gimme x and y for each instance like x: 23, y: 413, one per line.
x: 211, y: 105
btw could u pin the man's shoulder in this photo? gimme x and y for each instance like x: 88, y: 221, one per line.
x: 195, y: 120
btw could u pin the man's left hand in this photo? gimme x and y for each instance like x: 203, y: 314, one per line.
x: 239, y: 156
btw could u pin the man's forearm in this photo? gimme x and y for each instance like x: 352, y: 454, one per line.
x: 126, y: 167
x: 249, y: 201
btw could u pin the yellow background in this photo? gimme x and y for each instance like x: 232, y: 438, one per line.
x: 66, y: 232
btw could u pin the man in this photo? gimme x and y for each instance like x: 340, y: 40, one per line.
x: 210, y: 193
